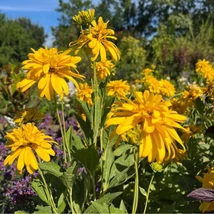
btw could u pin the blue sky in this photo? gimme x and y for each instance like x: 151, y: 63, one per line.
x: 41, y: 12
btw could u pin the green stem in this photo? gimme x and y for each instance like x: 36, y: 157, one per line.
x: 48, y: 192
x: 136, y: 184
x: 95, y: 118
x: 148, y: 191
x: 71, y: 202
x: 62, y: 132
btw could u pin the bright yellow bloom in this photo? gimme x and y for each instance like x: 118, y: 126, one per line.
x: 96, y: 40
x: 84, y: 93
x: 24, y: 142
x: 147, y: 71
x: 160, y: 140
x: 163, y: 87
x: 207, y: 182
x: 49, y: 68
x: 104, y: 69
x: 28, y: 115
x: 118, y: 88
x: 84, y: 16
x: 205, y: 69
x: 166, y: 88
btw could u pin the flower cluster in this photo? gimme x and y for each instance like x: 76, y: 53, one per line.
x: 163, y: 86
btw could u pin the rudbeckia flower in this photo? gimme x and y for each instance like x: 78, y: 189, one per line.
x: 49, y: 68
x: 84, y: 93
x: 118, y: 88
x: 160, y: 140
x: 96, y: 39
x: 25, y: 142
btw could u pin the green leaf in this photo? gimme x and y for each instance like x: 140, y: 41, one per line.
x: 68, y: 176
x: 123, y: 207
x: 88, y: 157
x: 20, y: 212
x: 51, y: 168
x: 38, y: 187
x: 115, y: 210
x: 106, y: 109
x: 74, y: 142
x: 86, y: 128
x: 143, y: 191
x: 101, y: 208
x: 61, y: 205
x: 108, y: 158
x: 42, y: 209
x: 122, y: 177
x: 85, y: 108
x: 122, y: 149
x: 107, y: 199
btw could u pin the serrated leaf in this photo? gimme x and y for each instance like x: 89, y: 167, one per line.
x: 51, y: 168
x: 107, y: 199
x: 88, y: 157
x: 38, y: 187
x: 68, y: 176
x: 42, y: 209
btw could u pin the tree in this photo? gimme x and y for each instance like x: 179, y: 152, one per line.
x: 17, y: 38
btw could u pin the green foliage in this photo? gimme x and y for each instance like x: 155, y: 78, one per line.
x: 17, y: 38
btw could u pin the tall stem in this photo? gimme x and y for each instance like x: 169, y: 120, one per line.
x: 63, y: 137
x: 148, y: 191
x: 136, y: 184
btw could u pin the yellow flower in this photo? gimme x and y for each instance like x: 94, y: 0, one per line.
x: 84, y: 93
x: 84, y: 16
x: 117, y: 88
x: 166, y: 88
x: 104, y: 69
x: 160, y: 140
x: 205, y: 69
x: 151, y: 83
x: 147, y: 71
x: 24, y: 141
x: 207, y: 182
x: 49, y: 68
x: 163, y: 87
x: 28, y: 115
x: 96, y: 39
